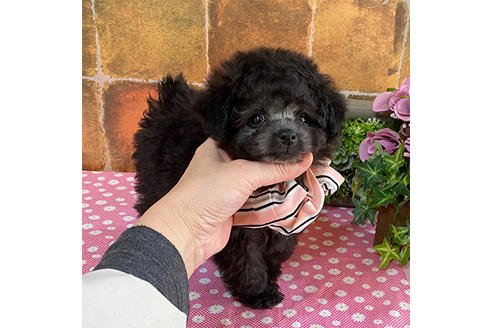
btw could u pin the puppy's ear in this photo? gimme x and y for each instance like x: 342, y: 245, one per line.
x: 214, y: 112
x: 333, y: 105
x: 214, y: 107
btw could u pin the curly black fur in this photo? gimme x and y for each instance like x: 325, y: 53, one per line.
x: 287, y: 90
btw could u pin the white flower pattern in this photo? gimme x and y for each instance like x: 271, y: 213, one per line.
x: 341, y: 307
x: 358, y: 317
x: 289, y: 313
x: 247, y: 314
x: 334, y: 259
x: 198, y: 318
x: 310, y: 289
x: 214, y: 309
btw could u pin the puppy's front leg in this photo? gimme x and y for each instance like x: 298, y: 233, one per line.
x: 244, y: 270
x: 279, y: 249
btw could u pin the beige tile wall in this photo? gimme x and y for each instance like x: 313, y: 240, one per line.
x: 129, y: 45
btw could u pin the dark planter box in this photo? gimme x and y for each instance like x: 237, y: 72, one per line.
x: 385, y: 217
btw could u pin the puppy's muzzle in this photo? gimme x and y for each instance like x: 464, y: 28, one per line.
x: 287, y: 137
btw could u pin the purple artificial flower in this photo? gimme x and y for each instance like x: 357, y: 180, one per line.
x: 397, y: 101
x: 407, y: 147
x: 402, y: 109
x: 381, y: 103
x: 404, y: 89
x: 389, y: 140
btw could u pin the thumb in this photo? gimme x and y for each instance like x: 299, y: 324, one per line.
x: 264, y: 174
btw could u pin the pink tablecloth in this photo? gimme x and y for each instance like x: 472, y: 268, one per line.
x: 331, y: 280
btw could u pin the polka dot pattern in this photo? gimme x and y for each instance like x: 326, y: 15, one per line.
x: 332, y: 279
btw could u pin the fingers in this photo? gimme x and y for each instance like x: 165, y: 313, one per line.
x: 254, y: 174
x: 263, y: 174
x: 209, y: 150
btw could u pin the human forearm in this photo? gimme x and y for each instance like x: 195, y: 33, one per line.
x: 146, y: 254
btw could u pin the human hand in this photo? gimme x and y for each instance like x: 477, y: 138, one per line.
x: 196, y: 215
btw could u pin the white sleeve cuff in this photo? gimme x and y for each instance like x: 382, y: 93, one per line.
x: 111, y: 298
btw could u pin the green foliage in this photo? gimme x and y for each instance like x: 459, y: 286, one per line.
x: 395, y: 246
x: 382, y: 180
x: 387, y: 252
x: 355, y: 131
x: 347, y: 154
x: 399, y: 235
x: 404, y: 254
x: 379, y: 181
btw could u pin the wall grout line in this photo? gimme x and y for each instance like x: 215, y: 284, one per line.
x: 402, y: 56
x: 101, y: 79
x: 202, y: 85
x: 108, y: 79
x: 348, y: 93
x: 206, y: 36
x: 311, y: 30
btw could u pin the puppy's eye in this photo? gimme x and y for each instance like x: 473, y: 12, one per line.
x: 256, y: 120
x: 304, y: 118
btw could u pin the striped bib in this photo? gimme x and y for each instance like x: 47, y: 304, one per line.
x: 290, y: 206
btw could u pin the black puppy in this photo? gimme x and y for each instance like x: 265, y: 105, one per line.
x: 268, y: 105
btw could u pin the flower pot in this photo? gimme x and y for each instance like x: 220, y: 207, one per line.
x: 387, y: 216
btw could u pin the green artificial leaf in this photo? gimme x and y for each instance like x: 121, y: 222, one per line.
x: 364, y: 197
x: 356, y: 183
x: 399, y: 151
x: 387, y: 252
x: 405, y: 240
x: 406, y: 178
x: 401, y: 189
x: 340, y: 157
x: 370, y: 171
x: 396, y: 204
x: 346, y: 168
x: 378, y: 150
x: 404, y: 255
x: 390, y: 89
x: 362, y: 212
x: 394, y: 162
x: 381, y: 197
x: 397, y: 234
x: 391, y: 179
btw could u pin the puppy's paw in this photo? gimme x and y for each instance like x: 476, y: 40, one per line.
x: 267, y: 299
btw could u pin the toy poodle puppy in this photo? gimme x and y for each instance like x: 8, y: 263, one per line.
x: 270, y: 105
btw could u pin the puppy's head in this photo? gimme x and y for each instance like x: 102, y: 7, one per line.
x: 271, y: 105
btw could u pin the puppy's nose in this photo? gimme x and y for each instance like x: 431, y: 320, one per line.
x: 287, y: 137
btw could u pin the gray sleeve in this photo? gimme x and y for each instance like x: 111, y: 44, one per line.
x: 146, y: 254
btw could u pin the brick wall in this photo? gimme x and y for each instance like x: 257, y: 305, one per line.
x: 129, y: 45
